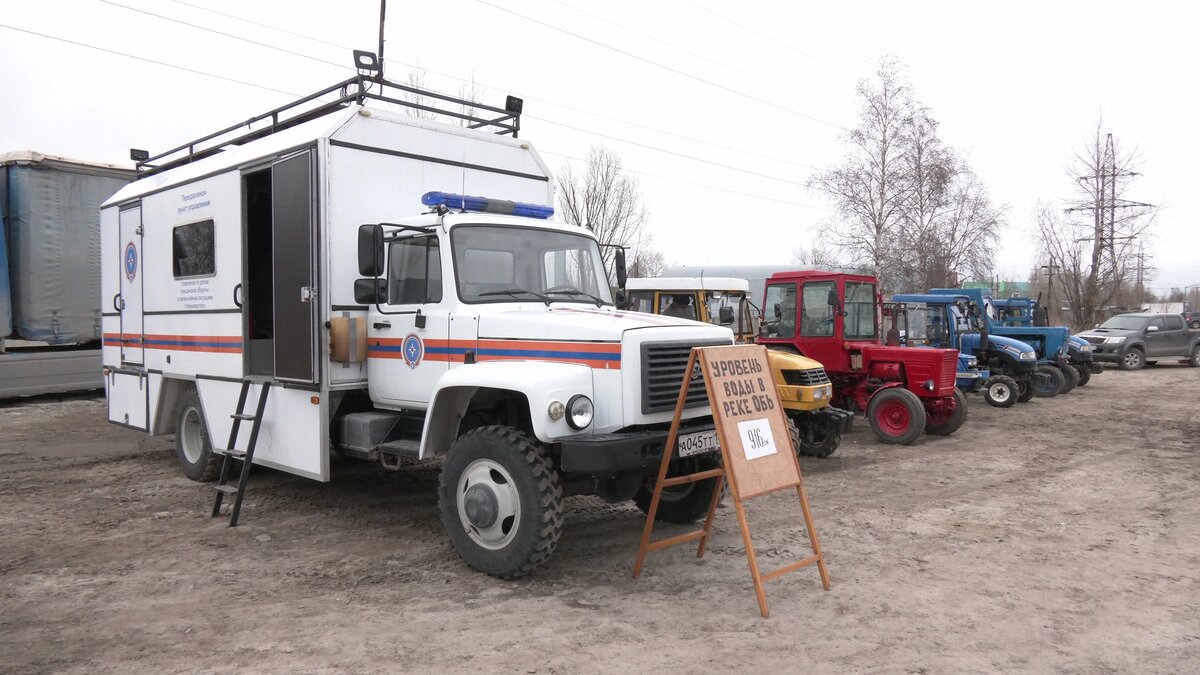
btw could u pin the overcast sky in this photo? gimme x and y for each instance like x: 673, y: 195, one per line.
x: 721, y: 110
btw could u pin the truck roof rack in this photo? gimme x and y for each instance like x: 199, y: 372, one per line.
x: 356, y: 90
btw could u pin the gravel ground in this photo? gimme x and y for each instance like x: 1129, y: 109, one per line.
x: 1060, y: 535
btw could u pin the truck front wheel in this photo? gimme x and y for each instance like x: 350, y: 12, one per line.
x: 1001, y: 391
x: 685, y: 503
x: 501, y: 501
x: 193, y: 446
x: 896, y: 415
x: 1133, y: 359
x: 944, y: 424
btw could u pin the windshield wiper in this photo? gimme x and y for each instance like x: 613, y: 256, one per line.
x: 574, y: 292
x: 517, y: 291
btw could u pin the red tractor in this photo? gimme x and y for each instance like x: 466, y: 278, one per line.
x: 834, y: 318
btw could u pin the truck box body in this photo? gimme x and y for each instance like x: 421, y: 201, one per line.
x: 50, y: 260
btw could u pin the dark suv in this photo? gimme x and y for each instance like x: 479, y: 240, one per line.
x: 1192, y: 319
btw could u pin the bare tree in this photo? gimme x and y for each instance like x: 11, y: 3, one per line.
x: 819, y: 255
x: 870, y: 187
x: 1096, y: 241
x: 605, y: 199
x: 416, y: 80
x: 469, y: 92
x: 647, y: 262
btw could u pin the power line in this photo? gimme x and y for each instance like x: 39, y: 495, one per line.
x: 667, y: 68
x: 147, y: 60
x: 768, y: 37
x: 548, y: 121
x: 464, y: 80
x: 696, y: 55
x: 700, y: 185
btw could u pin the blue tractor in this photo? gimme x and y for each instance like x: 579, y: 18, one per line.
x: 1022, y: 311
x: 1004, y: 369
x: 1050, y: 342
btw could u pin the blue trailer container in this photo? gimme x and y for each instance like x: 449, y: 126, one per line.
x: 50, y: 271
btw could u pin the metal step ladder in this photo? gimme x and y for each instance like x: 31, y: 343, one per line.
x: 232, y: 454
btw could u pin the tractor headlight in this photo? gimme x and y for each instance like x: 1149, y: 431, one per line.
x: 1028, y: 356
x: 1114, y: 340
x: 1085, y: 348
x: 580, y: 412
x: 972, y: 362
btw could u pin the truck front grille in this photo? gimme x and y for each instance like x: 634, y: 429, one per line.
x: 805, y: 378
x: 663, y: 364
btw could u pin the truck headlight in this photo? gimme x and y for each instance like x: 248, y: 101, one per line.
x: 580, y: 412
x: 1028, y: 356
x: 1114, y: 340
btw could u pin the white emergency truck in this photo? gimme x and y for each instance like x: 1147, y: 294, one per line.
x: 271, y: 297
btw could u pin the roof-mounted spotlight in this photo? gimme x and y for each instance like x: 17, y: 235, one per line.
x: 513, y: 104
x: 138, y: 155
x: 366, y: 62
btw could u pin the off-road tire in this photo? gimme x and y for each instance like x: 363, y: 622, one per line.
x: 1085, y: 375
x: 1194, y: 361
x: 822, y: 445
x: 896, y: 416
x: 193, y: 445
x: 957, y: 418
x: 681, y: 504
x: 536, y: 486
x: 1070, y: 379
x: 1133, y: 359
x: 1001, y: 391
x: 1055, y: 385
x: 1025, y: 390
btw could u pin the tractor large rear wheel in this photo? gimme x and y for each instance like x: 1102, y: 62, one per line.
x: 896, y: 415
x: 947, y: 423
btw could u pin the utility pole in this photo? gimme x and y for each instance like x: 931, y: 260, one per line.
x: 1050, y: 270
x: 1107, y: 267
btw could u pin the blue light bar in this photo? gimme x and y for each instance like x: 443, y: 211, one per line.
x: 486, y: 205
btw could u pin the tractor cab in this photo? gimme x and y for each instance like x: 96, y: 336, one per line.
x: 722, y: 301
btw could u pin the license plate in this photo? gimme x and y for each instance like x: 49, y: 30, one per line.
x: 698, y: 443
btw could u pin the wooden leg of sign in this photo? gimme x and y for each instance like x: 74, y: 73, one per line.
x: 712, y: 511
x: 812, y: 535
x: 751, y: 557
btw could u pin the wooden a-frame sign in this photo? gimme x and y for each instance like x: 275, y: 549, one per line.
x: 757, y: 454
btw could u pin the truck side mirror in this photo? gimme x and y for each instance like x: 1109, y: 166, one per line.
x: 622, y: 274
x: 726, y: 316
x: 833, y: 300
x: 370, y: 251
x: 370, y: 291
x: 1151, y: 329
x: 778, y: 311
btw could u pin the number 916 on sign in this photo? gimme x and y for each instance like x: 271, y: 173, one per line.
x: 698, y: 443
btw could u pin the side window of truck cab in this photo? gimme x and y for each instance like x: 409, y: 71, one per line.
x: 414, y: 271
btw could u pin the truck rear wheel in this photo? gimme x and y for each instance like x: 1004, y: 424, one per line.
x: 1195, y: 360
x: 193, y: 446
x: 896, y: 415
x: 681, y: 504
x: 1001, y: 391
x: 501, y: 501
x: 944, y: 425
x: 1049, y: 381
x: 1085, y: 375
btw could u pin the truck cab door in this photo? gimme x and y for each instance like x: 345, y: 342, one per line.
x: 408, y: 335
x: 1157, y: 339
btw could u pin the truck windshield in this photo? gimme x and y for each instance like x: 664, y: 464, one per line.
x: 1125, y: 323
x: 495, y: 263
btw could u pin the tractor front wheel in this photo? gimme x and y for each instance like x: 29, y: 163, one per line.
x: 1070, y: 379
x: 1049, y: 381
x: 896, y: 415
x: 1025, y: 390
x: 1001, y: 391
x: 1085, y: 375
x: 943, y: 423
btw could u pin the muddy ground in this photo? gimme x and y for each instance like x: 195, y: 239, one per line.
x: 1061, y: 535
